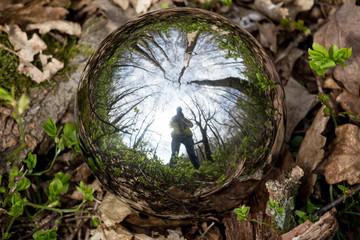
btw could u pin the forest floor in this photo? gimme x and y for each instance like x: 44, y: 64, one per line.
x: 44, y: 45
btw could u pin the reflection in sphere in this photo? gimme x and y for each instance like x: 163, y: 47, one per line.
x: 177, y: 99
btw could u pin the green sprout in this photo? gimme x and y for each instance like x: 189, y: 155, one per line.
x: 322, y: 59
x: 241, y: 215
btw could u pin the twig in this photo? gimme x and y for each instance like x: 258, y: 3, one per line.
x: 207, y: 229
x: 9, y: 50
x: 326, y: 208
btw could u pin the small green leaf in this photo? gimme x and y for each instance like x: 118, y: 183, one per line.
x: 64, y: 178
x: 326, y: 110
x: 86, y: 191
x: 50, y: 128
x: 315, y: 55
x: 5, y: 95
x: 240, y: 218
x: 273, y: 204
x: 310, y: 207
x: 301, y: 214
x: 348, y: 53
x: 15, y: 197
x: 23, y: 184
x: 30, y: 161
x: 318, y: 48
x: 328, y: 63
x: 342, y: 188
x: 95, y: 221
x: 332, y: 50
x: 17, y: 209
x: 280, y: 210
x: 227, y: 2
x: 45, y: 235
x: 69, y: 128
x: 55, y: 188
x: 22, y: 103
x: 321, y: 72
x: 245, y: 210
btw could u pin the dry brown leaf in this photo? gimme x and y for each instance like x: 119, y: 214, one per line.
x: 282, y: 9
x: 111, y: 215
x: 141, y: 6
x: 349, y: 102
x: 311, y: 152
x: 49, y: 70
x: 63, y: 26
x: 124, y: 4
x: 298, y: 103
x: 268, y: 32
x: 343, y: 162
x: 25, y: 48
x: 286, y: 64
x: 343, y: 30
x: 330, y: 83
x: 275, y: 12
x: 32, y: 12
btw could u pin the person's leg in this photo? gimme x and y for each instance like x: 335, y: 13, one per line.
x: 175, y: 147
x: 189, y: 144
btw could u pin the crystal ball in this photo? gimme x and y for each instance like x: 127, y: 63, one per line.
x: 176, y: 107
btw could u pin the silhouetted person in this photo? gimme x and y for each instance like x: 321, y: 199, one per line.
x: 182, y: 134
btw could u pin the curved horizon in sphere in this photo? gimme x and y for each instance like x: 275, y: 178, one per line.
x: 177, y: 92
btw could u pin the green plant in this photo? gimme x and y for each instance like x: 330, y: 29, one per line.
x: 322, y: 59
x: 45, y: 235
x: 19, y: 107
x: 13, y: 200
x: 310, y: 210
x: 324, y: 99
x: 288, y: 24
x: 241, y: 215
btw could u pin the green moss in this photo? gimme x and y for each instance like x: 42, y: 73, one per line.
x: 64, y: 52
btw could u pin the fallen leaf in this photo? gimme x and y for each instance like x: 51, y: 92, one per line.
x: 286, y: 64
x: 298, y: 103
x: 311, y: 152
x: 36, y: 74
x: 283, y: 9
x: 111, y: 215
x: 141, y: 6
x: 275, y: 12
x: 63, y: 26
x: 82, y: 173
x: 330, y: 83
x: 83, y: 8
x: 343, y: 162
x: 124, y: 4
x: 349, y: 102
x: 246, y: 18
x: 25, y: 48
x: 268, y: 32
x: 32, y: 12
x: 343, y: 30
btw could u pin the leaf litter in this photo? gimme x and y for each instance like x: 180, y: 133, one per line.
x: 342, y: 160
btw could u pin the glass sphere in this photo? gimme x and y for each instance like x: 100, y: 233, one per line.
x: 177, y: 105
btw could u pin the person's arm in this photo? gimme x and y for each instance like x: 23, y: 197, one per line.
x: 187, y: 122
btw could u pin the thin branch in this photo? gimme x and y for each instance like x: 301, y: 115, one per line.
x: 326, y: 208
